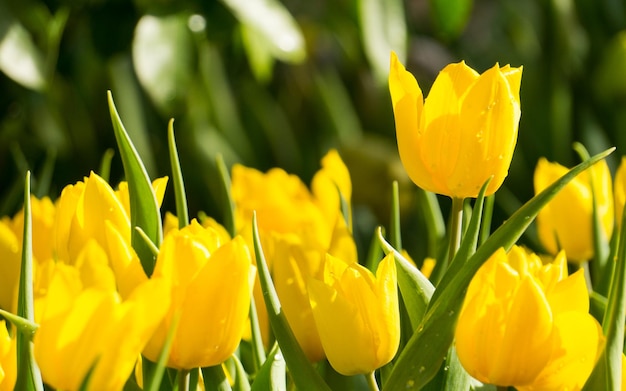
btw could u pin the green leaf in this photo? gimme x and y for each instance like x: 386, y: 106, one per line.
x: 272, y: 373
x: 132, y: 105
x: 258, y: 350
x: 608, y: 372
x: 383, y: 29
x: 395, y: 233
x: 228, y: 205
x: 164, y: 59
x: 241, y: 377
x: 304, y: 375
x: 427, y: 348
x: 415, y: 288
x: 272, y: 23
x: 450, y: 16
x: 28, y: 375
x: 435, y: 225
x: 153, y: 372
x: 215, y: 379
x: 23, y: 325
x: 144, y: 209
x: 177, y: 177
x: 105, y: 164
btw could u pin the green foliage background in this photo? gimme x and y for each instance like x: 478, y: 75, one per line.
x: 278, y: 82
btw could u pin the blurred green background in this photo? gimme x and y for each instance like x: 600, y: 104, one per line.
x: 278, y: 82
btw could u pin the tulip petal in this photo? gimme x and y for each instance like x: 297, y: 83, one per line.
x: 215, y: 309
x: 488, y: 135
x: 524, y: 349
x: 334, y: 315
x: 570, y: 294
x: 579, y: 342
x: 408, y: 103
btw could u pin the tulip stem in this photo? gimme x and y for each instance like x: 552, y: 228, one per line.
x: 456, y: 229
x: 371, y: 381
x: 183, y: 380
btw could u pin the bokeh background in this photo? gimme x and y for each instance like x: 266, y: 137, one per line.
x: 271, y: 83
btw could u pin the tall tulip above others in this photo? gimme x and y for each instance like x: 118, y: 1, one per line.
x: 463, y: 133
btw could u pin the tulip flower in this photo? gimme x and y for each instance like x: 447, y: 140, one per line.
x: 211, y: 282
x: 356, y: 314
x: 527, y: 325
x: 566, y: 222
x: 86, y: 326
x: 464, y: 132
x: 82, y: 210
x: 297, y: 228
x: 8, y: 359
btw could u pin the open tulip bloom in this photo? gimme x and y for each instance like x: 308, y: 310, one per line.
x: 463, y: 133
x: 100, y: 293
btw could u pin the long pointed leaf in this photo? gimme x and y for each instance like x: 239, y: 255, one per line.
x: 227, y: 199
x: 303, y: 373
x: 177, y: 175
x: 28, y: 375
x: 144, y: 209
x: 423, y: 355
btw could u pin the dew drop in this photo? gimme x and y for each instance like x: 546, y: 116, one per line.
x: 410, y: 384
x: 422, y: 369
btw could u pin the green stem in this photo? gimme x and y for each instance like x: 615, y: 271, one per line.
x: 456, y: 225
x: 502, y: 388
x: 371, y: 381
x: 183, y: 380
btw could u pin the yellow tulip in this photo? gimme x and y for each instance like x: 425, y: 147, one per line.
x: 211, y: 286
x: 527, y: 325
x: 619, y: 187
x: 82, y: 211
x: 356, y: 314
x: 464, y: 132
x: 297, y: 227
x: 86, y: 324
x: 566, y: 222
x: 8, y: 359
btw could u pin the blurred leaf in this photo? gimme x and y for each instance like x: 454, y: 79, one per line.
x: 271, y: 376
x: 144, y: 209
x: 228, y: 205
x: 28, y: 375
x: 272, y: 23
x: 303, y: 374
x: 384, y: 30
x: 164, y: 59
x: 336, y: 102
x: 222, y: 101
x: 450, y: 16
x: 259, y: 55
x: 20, y: 59
x: 425, y: 351
x: 609, y: 77
x: 130, y: 101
